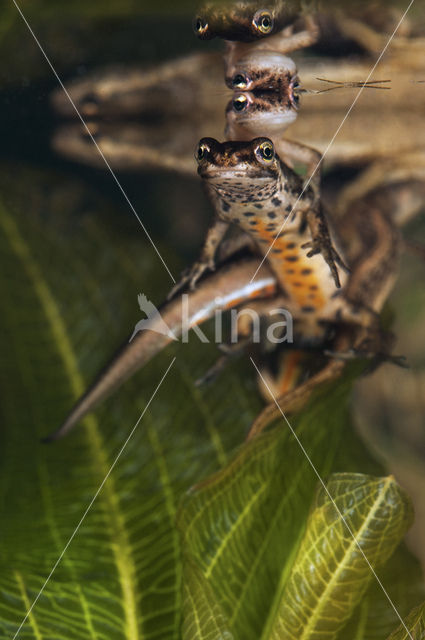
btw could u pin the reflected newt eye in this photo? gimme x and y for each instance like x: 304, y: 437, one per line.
x: 200, y: 26
x: 90, y: 104
x: 239, y: 81
x: 202, y: 151
x: 263, y: 22
x: 240, y: 103
x: 265, y: 152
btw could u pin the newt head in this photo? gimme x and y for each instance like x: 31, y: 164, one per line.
x: 255, y: 160
x: 241, y: 170
x: 242, y: 21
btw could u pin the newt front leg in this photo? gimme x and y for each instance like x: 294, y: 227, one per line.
x: 206, y: 260
x: 321, y: 242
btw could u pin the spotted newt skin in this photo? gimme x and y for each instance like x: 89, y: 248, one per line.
x: 373, y: 244
x: 307, y: 281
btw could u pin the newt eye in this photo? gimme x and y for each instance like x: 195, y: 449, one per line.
x: 200, y: 26
x: 239, y: 81
x: 202, y: 151
x: 265, y: 152
x: 240, y: 103
x: 263, y: 22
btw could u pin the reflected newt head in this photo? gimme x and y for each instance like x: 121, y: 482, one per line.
x: 262, y: 70
x: 240, y: 171
x: 244, y: 21
x: 248, y: 113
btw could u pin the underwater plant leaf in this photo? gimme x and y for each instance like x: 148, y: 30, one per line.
x: 354, y: 527
x: 202, y: 616
x: 241, y: 555
x: 375, y: 617
x: 243, y: 525
x: 72, y: 267
x: 413, y: 627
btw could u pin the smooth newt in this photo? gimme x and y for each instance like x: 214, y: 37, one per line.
x: 251, y: 187
x: 371, y: 243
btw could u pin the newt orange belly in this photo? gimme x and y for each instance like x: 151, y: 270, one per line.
x: 306, y: 281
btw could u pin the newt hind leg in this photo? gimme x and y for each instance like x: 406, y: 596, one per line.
x: 285, y: 379
x: 294, y: 399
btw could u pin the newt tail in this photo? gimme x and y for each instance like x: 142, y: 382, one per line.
x: 223, y: 290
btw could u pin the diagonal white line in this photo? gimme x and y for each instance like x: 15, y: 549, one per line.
x: 92, y: 501
x: 93, y: 140
x: 332, y: 500
x: 363, y: 85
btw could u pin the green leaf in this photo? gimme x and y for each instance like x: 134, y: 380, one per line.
x: 242, y: 529
x: 413, y: 627
x: 375, y: 617
x: 203, y: 618
x: 354, y: 527
x: 242, y: 526
x: 71, y: 271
